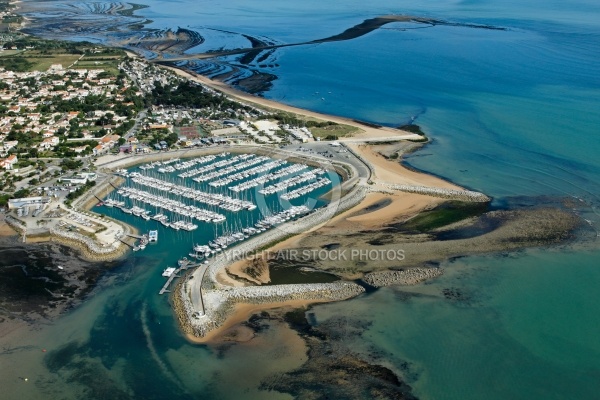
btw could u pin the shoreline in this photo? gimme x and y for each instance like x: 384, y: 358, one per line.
x: 89, y: 249
x: 367, y: 131
x: 335, y: 213
x: 392, y: 172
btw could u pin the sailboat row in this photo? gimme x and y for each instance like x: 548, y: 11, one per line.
x: 174, y: 206
x: 294, y: 181
x: 232, y: 168
x: 305, y: 189
x: 216, y: 165
x: 292, y: 169
x: 222, y: 242
x: 248, y: 173
x: 155, y: 164
x: 214, y: 199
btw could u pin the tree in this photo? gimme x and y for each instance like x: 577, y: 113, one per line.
x: 71, y: 164
x: 21, y: 193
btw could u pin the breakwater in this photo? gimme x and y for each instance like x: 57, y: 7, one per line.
x: 451, y: 194
x: 203, y: 304
x: 318, y: 217
x: 88, y: 247
x: 407, y: 277
x: 220, y: 303
x: 16, y: 224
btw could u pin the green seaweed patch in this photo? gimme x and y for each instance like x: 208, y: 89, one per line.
x: 445, y: 214
x: 296, y: 319
x: 412, y: 128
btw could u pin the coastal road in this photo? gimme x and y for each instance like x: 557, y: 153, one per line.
x: 196, y: 290
x: 141, y: 115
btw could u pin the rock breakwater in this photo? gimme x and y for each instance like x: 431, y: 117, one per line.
x: 89, y: 248
x: 451, y: 194
x: 202, y: 304
x: 407, y: 277
x: 220, y: 303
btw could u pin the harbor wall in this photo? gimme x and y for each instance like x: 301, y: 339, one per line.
x: 407, y: 277
x: 450, y: 194
x: 215, y: 301
x: 88, y: 247
x: 221, y: 303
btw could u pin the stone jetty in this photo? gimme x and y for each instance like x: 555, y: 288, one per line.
x: 220, y: 303
x: 89, y: 248
x: 16, y: 224
x: 451, y: 194
x: 407, y: 277
x: 279, y: 233
x: 203, y: 304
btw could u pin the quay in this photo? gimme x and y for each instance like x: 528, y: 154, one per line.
x: 184, y: 266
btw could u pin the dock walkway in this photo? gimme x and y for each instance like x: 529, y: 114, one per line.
x: 165, y: 288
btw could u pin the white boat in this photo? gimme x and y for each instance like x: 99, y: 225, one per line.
x: 153, y: 236
x: 168, y: 272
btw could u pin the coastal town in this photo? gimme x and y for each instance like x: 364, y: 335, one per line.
x: 93, y: 136
x: 57, y: 123
x: 70, y: 133
x: 326, y: 200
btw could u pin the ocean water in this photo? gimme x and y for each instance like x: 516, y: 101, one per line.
x: 513, y: 113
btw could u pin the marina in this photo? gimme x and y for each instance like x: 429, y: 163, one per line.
x: 519, y: 128
x: 214, y: 202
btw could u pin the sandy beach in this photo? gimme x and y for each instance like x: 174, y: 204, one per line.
x: 366, y: 132
x: 5, y: 229
x: 229, y: 331
x: 388, y: 208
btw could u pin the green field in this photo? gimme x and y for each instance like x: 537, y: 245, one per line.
x: 46, y: 53
x: 43, y: 62
x: 334, y: 130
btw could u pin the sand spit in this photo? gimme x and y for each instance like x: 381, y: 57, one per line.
x: 354, y: 32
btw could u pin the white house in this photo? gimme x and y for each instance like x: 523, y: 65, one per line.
x: 8, y: 163
x: 49, y: 143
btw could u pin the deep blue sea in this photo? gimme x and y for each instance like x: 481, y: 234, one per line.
x: 514, y: 113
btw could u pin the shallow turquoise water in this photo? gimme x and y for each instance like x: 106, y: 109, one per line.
x: 511, y: 113
x: 516, y: 331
